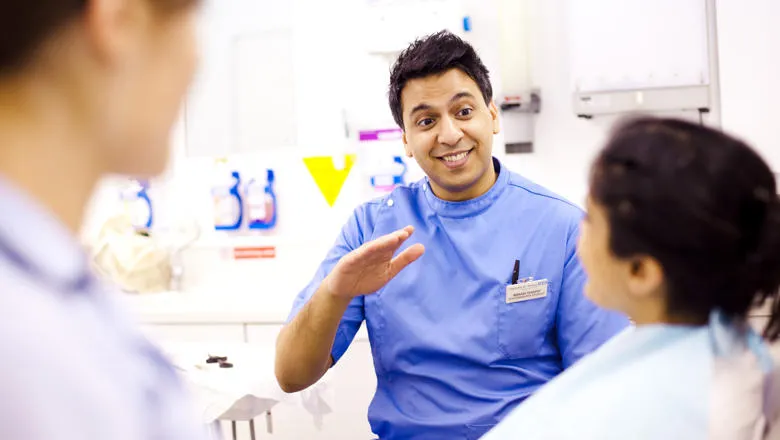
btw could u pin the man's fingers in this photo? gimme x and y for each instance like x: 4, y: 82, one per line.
x: 389, y: 242
x: 405, y: 258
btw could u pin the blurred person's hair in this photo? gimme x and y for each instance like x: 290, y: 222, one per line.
x: 25, y: 25
x: 701, y: 203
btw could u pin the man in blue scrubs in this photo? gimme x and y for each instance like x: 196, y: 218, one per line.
x: 468, y: 280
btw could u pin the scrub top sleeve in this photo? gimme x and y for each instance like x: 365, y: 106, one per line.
x: 37, y: 404
x: 352, y: 236
x: 582, y: 326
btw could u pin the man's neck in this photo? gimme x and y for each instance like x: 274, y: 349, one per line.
x: 480, y: 187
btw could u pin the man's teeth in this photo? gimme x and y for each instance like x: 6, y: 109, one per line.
x: 456, y: 157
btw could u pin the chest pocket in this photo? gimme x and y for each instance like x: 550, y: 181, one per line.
x: 523, y: 326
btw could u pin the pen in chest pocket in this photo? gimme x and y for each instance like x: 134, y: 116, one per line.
x: 516, y: 272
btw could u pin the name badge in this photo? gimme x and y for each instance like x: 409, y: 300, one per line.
x: 526, y: 291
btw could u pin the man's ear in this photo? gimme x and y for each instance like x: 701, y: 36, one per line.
x: 407, y: 150
x: 494, y: 115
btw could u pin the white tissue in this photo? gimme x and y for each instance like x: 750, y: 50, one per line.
x: 135, y: 262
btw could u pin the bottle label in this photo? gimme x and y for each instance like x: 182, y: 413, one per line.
x: 256, y: 207
x: 224, y: 211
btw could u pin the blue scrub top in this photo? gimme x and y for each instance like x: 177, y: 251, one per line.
x: 452, y: 357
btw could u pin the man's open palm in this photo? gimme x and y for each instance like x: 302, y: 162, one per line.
x: 369, y: 267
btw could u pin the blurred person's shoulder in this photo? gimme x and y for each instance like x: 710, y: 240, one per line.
x: 27, y: 306
x: 59, y: 375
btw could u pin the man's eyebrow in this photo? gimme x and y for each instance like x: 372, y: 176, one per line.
x: 424, y: 106
x: 420, y: 107
x: 460, y: 96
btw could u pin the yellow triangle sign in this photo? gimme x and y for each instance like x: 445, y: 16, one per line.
x: 328, y: 179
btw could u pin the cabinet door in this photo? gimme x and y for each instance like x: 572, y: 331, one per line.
x: 164, y: 334
x: 354, y: 384
x: 347, y: 389
x: 262, y: 334
x: 289, y: 418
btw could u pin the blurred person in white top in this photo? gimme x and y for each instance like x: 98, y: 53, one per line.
x: 87, y: 88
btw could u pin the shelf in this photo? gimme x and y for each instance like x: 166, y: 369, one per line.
x: 216, y: 240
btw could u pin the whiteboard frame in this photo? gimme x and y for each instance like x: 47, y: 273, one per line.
x: 702, y: 98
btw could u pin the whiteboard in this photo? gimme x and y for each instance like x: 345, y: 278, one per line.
x: 618, y: 45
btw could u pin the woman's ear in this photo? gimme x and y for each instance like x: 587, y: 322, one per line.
x: 646, y: 276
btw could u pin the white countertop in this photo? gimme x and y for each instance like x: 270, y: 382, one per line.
x: 215, y: 308
x: 189, y: 308
x: 204, y: 308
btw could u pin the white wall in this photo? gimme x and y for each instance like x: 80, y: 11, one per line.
x: 749, y: 40
x: 334, y: 73
x: 749, y: 68
x: 564, y: 144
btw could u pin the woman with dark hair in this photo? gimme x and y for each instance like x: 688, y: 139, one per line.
x: 88, y: 88
x: 682, y: 235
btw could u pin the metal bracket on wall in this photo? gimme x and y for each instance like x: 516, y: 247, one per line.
x: 518, y: 124
x: 526, y: 103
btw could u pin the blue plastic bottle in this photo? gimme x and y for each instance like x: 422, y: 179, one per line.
x: 389, y: 179
x: 229, y: 210
x: 261, y: 206
x: 143, y: 194
x: 138, y: 205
